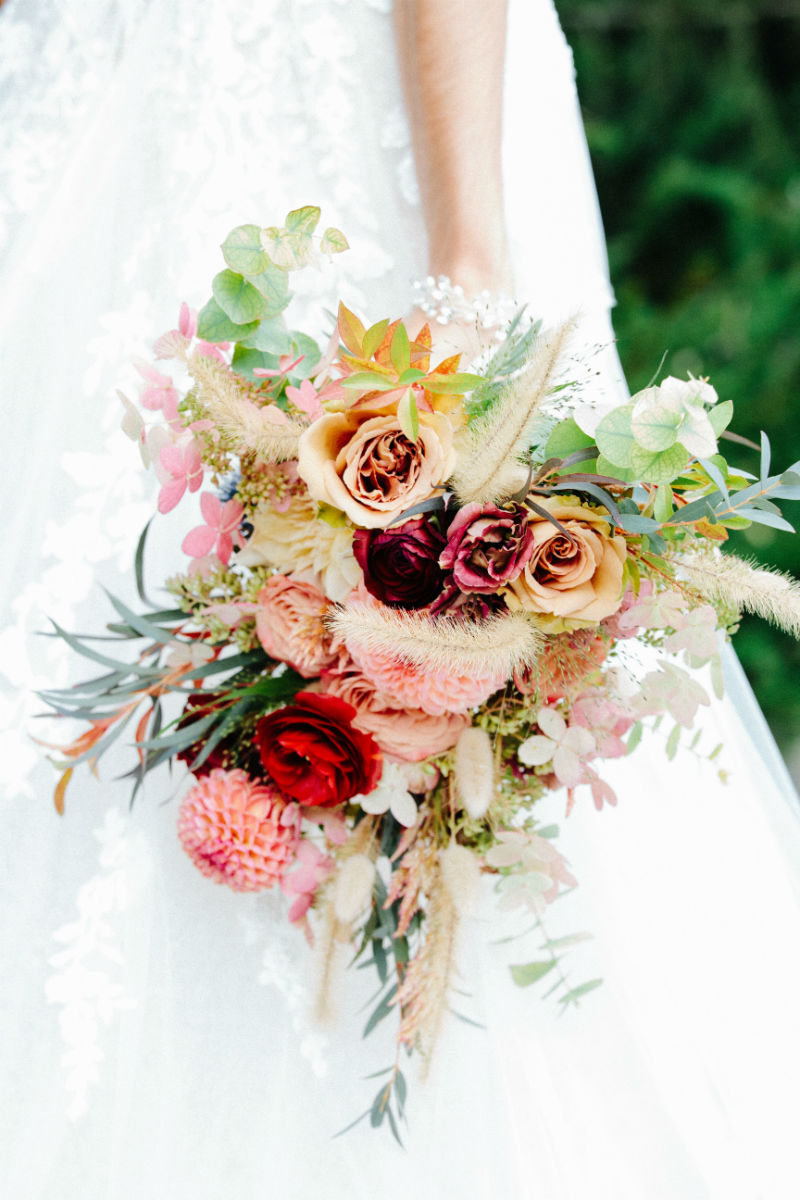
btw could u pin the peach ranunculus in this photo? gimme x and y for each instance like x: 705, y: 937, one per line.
x: 290, y: 623
x: 570, y: 583
x: 365, y: 465
x: 410, y: 734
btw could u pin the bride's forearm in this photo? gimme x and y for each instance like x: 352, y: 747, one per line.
x: 452, y: 55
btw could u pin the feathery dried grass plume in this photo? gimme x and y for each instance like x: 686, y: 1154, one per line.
x: 423, y: 994
x: 501, y: 643
x: 488, y: 470
x: 330, y: 947
x: 726, y: 579
x: 248, y: 428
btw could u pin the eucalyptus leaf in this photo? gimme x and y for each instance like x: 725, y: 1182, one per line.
x: 614, y: 436
x: 604, y: 466
x: 271, y: 335
x: 565, y: 438
x: 672, y: 742
x: 333, y: 241
x: 698, y: 509
x: 720, y: 416
x: 658, y: 468
x: 214, y: 325
x: 634, y: 737
x: 715, y: 475
x: 582, y: 989
x: 524, y: 974
x: 273, y: 284
x: 656, y: 428
x: 245, y: 361
x: 306, y: 348
x: 303, y: 220
x: 243, y: 251
x: 760, y: 517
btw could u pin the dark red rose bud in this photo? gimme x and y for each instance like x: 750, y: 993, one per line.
x: 401, y: 564
x: 314, y: 755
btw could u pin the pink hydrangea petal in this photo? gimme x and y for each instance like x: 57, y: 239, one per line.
x: 199, y: 541
x: 211, y: 508
x: 187, y: 320
x: 551, y: 723
x: 170, y: 495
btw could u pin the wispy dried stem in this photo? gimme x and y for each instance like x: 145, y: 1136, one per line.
x: 488, y: 469
x: 248, y: 428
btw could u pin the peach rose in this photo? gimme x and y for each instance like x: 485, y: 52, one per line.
x: 367, y: 468
x: 408, y: 734
x: 570, y: 583
x: 290, y: 623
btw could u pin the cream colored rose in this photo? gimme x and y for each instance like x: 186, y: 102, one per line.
x: 570, y: 583
x: 295, y: 542
x: 367, y: 468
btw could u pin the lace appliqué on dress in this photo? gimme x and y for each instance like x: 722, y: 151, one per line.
x: 89, y: 982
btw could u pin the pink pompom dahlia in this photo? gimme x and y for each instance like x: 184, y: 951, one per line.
x: 238, y: 831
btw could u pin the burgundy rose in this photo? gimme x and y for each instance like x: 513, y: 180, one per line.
x: 401, y: 564
x: 312, y: 752
x: 487, y: 547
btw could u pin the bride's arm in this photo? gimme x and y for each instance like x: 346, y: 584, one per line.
x: 452, y: 55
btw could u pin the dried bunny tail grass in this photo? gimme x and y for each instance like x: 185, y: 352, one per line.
x: 474, y: 771
x: 488, y: 468
x: 763, y: 591
x: 244, y: 425
x: 423, y: 994
x: 501, y: 643
x: 330, y: 947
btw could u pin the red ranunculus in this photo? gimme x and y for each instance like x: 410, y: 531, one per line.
x: 312, y: 752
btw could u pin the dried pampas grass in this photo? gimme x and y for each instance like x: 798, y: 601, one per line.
x: 424, y: 992
x: 488, y: 470
x: 498, y: 644
x: 248, y: 428
x: 726, y: 579
x: 332, y: 947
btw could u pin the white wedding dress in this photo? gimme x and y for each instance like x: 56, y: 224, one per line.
x: 156, y: 1037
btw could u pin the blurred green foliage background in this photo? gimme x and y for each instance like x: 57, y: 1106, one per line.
x: 692, y: 113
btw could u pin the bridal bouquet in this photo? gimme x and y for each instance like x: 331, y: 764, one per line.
x: 407, y: 612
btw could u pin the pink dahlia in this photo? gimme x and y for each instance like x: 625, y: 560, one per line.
x: 410, y: 734
x: 435, y: 692
x: 238, y: 831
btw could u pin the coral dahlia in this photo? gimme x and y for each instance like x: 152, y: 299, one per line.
x: 238, y: 831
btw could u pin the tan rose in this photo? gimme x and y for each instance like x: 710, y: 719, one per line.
x: 570, y: 583
x: 367, y: 468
